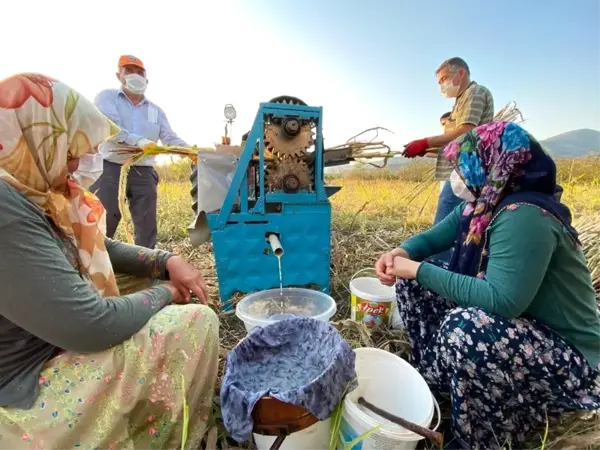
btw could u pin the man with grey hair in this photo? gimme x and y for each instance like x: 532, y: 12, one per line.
x: 474, y: 106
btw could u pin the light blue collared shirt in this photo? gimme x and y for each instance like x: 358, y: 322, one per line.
x: 144, y: 120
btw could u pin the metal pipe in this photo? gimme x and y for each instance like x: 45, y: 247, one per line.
x: 275, y: 245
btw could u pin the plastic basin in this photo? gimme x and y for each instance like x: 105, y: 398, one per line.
x: 265, y: 307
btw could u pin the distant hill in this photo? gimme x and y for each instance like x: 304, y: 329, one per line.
x: 573, y: 144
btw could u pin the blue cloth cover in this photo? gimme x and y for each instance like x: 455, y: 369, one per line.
x: 300, y: 361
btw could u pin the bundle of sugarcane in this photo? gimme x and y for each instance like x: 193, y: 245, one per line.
x: 589, y: 234
x: 510, y: 113
x: 136, y: 154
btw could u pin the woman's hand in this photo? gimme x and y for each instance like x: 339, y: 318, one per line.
x: 186, y: 279
x: 384, y: 262
x: 176, y: 296
x: 403, y: 268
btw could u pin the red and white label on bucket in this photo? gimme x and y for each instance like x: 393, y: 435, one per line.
x: 373, y: 309
x: 371, y: 313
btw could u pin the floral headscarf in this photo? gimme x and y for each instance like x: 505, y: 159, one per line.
x: 43, y: 124
x: 502, y: 165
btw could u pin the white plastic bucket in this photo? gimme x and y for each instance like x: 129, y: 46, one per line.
x: 372, y: 303
x: 393, y: 385
x: 315, y: 437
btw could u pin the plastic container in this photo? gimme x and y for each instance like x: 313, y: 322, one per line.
x: 315, y: 437
x: 393, y: 385
x: 372, y: 303
x: 265, y: 307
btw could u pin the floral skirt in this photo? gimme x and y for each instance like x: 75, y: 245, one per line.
x: 128, y: 397
x: 503, y: 377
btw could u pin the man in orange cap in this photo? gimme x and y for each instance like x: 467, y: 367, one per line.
x: 142, y: 124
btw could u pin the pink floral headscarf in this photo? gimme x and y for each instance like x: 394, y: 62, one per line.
x: 502, y: 165
x: 43, y: 124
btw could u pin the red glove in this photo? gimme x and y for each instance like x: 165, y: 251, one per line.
x: 416, y: 148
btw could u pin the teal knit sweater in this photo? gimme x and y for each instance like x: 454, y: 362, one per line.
x: 534, y: 268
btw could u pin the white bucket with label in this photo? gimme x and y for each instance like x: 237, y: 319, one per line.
x: 315, y: 437
x: 372, y: 303
x: 393, y: 385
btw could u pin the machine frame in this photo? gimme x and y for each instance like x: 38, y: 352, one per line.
x: 301, y: 221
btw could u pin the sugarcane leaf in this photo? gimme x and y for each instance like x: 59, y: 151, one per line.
x: 336, y: 418
x: 362, y: 437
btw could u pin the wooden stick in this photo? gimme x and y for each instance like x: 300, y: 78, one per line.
x: 417, y: 429
x: 278, y: 442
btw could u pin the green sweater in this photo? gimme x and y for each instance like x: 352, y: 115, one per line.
x: 534, y: 268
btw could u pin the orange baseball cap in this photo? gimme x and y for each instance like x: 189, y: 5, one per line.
x: 129, y: 60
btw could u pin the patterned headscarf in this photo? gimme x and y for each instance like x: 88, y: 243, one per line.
x: 502, y: 165
x: 43, y: 124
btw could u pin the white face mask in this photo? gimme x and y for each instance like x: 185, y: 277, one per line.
x: 136, y: 84
x: 459, y: 188
x: 89, y: 170
x: 449, y: 90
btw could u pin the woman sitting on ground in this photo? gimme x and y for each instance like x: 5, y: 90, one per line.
x: 511, y: 329
x: 82, y: 366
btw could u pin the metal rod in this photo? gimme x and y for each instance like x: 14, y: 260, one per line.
x: 410, y: 426
x: 278, y: 442
x: 275, y: 245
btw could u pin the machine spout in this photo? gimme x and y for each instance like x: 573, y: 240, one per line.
x: 275, y: 245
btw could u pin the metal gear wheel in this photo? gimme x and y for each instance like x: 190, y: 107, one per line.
x: 288, y: 176
x: 288, y: 99
x: 283, y: 143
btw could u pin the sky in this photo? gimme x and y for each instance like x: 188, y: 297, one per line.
x: 366, y: 63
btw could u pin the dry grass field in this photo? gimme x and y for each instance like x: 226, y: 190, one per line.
x: 394, y: 201
x: 374, y: 212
